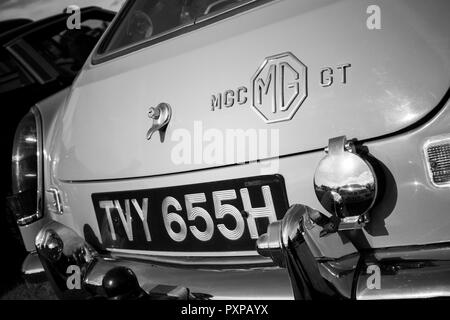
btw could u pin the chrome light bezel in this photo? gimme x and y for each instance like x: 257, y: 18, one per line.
x: 432, y: 141
x: 339, y: 152
x: 28, y: 218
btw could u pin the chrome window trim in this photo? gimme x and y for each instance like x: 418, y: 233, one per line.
x: 142, y: 43
x: 211, y: 5
x: 98, y: 58
x: 238, y: 7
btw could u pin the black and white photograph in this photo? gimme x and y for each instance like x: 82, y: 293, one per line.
x: 203, y: 150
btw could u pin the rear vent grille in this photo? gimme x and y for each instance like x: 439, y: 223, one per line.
x: 438, y: 161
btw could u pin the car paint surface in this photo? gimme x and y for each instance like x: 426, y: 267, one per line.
x: 385, y: 90
x: 401, y: 217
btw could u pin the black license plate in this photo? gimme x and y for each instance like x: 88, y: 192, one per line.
x: 217, y: 218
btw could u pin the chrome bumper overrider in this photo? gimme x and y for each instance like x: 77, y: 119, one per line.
x: 32, y: 270
x: 63, y: 253
x: 391, y: 273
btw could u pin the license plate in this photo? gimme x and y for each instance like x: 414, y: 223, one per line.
x: 217, y: 218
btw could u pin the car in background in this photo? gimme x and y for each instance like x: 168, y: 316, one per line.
x: 37, y: 60
x: 246, y: 149
x: 43, y: 57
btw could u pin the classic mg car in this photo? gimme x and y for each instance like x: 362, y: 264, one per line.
x: 246, y: 149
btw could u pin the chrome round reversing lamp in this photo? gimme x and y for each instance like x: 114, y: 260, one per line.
x: 344, y: 182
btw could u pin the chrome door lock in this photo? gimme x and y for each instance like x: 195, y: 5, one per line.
x: 160, y: 115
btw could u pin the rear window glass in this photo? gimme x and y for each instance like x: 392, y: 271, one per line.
x: 144, y: 20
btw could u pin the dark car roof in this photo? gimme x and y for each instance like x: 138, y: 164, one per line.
x: 34, y: 26
x: 7, y: 25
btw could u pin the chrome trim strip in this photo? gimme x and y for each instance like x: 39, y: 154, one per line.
x: 188, y: 254
x: 406, y: 273
x: 40, y: 162
x: 208, y: 263
x: 55, y: 194
x: 29, y: 219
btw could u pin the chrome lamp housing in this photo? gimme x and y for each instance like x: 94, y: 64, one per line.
x: 27, y: 166
x: 345, y: 184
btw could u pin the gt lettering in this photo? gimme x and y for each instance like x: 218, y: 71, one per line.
x: 328, y: 75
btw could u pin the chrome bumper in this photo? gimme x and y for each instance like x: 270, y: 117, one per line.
x: 390, y: 273
x: 32, y: 269
x: 59, y: 248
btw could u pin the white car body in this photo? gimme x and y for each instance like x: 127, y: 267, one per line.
x: 394, y: 99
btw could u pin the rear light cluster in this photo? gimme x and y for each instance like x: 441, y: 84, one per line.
x: 27, y: 184
x: 437, y: 153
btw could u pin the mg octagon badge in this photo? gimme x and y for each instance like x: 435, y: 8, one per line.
x: 279, y: 87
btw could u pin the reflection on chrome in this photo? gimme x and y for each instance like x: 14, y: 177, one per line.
x: 344, y: 182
